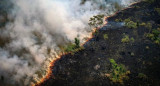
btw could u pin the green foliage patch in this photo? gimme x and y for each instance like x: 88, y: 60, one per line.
x: 105, y: 36
x: 118, y: 72
x: 127, y: 39
x: 142, y: 75
x: 154, y: 35
x: 157, y: 10
x: 73, y: 47
x: 130, y: 24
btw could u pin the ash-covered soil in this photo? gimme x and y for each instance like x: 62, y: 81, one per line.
x: 89, y: 66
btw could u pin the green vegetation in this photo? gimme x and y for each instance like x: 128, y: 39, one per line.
x: 73, y: 47
x: 105, y: 36
x: 132, y: 39
x: 143, y: 24
x: 154, y: 35
x: 118, y: 20
x: 127, y: 39
x: 77, y: 42
x: 157, y: 10
x: 118, y: 72
x: 149, y: 26
x: 96, y: 21
x: 141, y: 75
x: 130, y: 24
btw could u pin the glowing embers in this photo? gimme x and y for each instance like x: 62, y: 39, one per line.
x: 51, y: 64
x: 49, y: 70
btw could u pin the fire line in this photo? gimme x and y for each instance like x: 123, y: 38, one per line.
x: 51, y: 64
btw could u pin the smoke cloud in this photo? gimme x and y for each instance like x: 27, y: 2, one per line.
x: 36, y: 31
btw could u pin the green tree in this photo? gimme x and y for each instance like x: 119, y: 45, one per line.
x: 77, y: 42
x: 119, y: 72
x: 96, y: 21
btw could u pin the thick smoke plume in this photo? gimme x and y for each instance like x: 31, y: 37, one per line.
x: 37, y: 29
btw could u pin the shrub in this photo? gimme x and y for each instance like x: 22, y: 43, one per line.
x: 149, y: 26
x: 77, y: 42
x: 70, y: 48
x: 73, y: 47
x: 132, y: 39
x: 127, y: 20
x: 125, y: 39
x: 143, y: 24
x: 118, y: 20
x: 157, y: 10
x: 154, y: 36
x: 118, y: 72
x: 141, y: 75
x: 150, y: 35
x: 105, y: 36
x: 130, y: 24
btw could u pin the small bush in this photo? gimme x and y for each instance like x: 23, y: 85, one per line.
x: 73, y: 47
x: 118, y: 20
x: 118, y: 73
x: 77, y: 42
x: 149, y: 26
x: 127, y: 20
x: 105, y: 36
x: 132, y: 39
x: 151, y: 36
x: 130, y: 24
x: 127, y: 39
x: 70, y: 48
x: 154, y: 36
x: 157, y: 10
x: 141, y: 75
x: 143, y: 24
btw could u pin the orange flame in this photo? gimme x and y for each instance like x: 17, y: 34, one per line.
x: 51, y: 64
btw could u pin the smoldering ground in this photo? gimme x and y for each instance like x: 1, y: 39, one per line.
x: 35, y: 29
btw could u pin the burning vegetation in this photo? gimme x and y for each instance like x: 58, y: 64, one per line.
x: 126, y: 55
x: 106, y: 51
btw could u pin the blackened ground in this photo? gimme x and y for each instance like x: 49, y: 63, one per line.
x: 89, y: 66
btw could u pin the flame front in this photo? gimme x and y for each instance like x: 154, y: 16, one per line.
x: 51, y: 64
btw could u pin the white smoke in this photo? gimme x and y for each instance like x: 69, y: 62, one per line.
x: 38, y: 28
